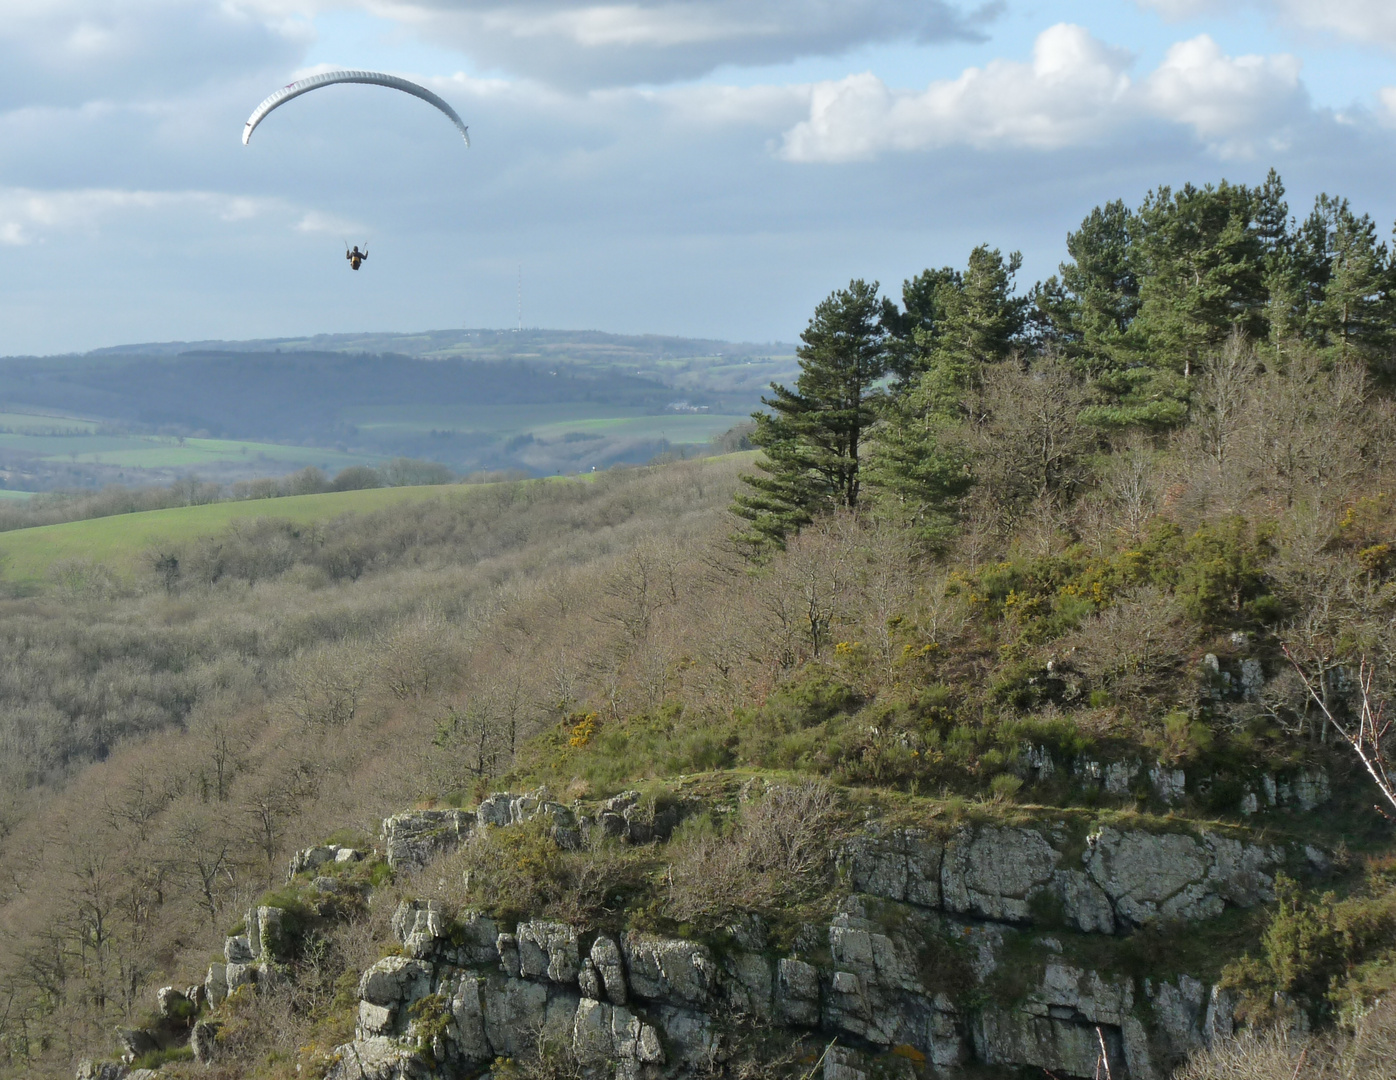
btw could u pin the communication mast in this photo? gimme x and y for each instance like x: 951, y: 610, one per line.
x: 520, y: 298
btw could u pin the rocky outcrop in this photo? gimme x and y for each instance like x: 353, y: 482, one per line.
x: 949, y: 947
x: 311, y: 859
x: 416, y: 837
x: 1021, y: 875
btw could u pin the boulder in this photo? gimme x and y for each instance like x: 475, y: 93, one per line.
x: 236, y: 975
x: 173, y: 1005
x: 135, y: 1042
x: 413, y: 839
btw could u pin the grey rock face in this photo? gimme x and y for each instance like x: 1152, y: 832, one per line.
x: 203, y: 1041
x: 589, y: 981
x: 413, y: 839
x: 505, y: 808
x: 376, y: 1059
x: 1176, y: 876
x: 871, y: 972
x: 477, y: 939
x: 749, y: 985
x: 993, y: 873
x: 102, y: 1070
x: 515, y: 1012
x: 605, y: 1034
x: 1180, y: 1012
x: 311, y: 858
x: 1085, y: 906
x: 395, y: 980
x: 548, y: 949
x: 468, y: 1012
x: 797, y: 993
x: 269, y: 934
x: 903, y: 864
x: 623, y: 817
x: 419, y: 925
x: 216, y: 984
x: 605, y: 954
x: 663, y: 969
x: 238, y: 950
x: 506, y: 947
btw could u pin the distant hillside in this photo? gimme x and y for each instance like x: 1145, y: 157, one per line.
x: 699, y: 364
x: 544, y: 401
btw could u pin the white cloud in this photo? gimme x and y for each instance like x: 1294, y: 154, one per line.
x: 1387, y: 96
x: 28, y: 216
x: 658, y: 41
x: 66, y: 52
x: 1067, y: 94
x: 1234, y: 104
x: 1075, y: 91
x: 1366, y: 21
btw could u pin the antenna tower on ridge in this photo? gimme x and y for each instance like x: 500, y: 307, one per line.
x: 520, y: 297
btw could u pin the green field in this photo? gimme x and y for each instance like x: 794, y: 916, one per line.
x: 27, y: 423
x: 552, y: 421
x: 6, y: 493
x: 27, y: 554
x: 166, y: 452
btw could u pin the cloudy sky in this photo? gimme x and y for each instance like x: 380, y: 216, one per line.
x: 701, y: 167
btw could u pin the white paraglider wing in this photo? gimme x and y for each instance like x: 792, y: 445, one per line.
x: 303, y: 86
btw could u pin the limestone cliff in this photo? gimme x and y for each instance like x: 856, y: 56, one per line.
x: 942, y: 946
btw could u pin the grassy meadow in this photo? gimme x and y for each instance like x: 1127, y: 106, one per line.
x: 119, y: 542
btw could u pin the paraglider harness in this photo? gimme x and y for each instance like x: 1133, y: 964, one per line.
x: 355, y: 257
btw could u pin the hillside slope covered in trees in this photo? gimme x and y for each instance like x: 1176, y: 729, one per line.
x: 1058, y: 562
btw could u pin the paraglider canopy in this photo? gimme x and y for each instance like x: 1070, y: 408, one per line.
x: 329, y: 78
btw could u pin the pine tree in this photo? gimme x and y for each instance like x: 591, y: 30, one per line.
x: 812, y: 437
x: 1347, y: 272
x: 1099, y: 288
x: 917, y: 472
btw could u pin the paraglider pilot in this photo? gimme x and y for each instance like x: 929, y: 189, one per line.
x: 356, y: 257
